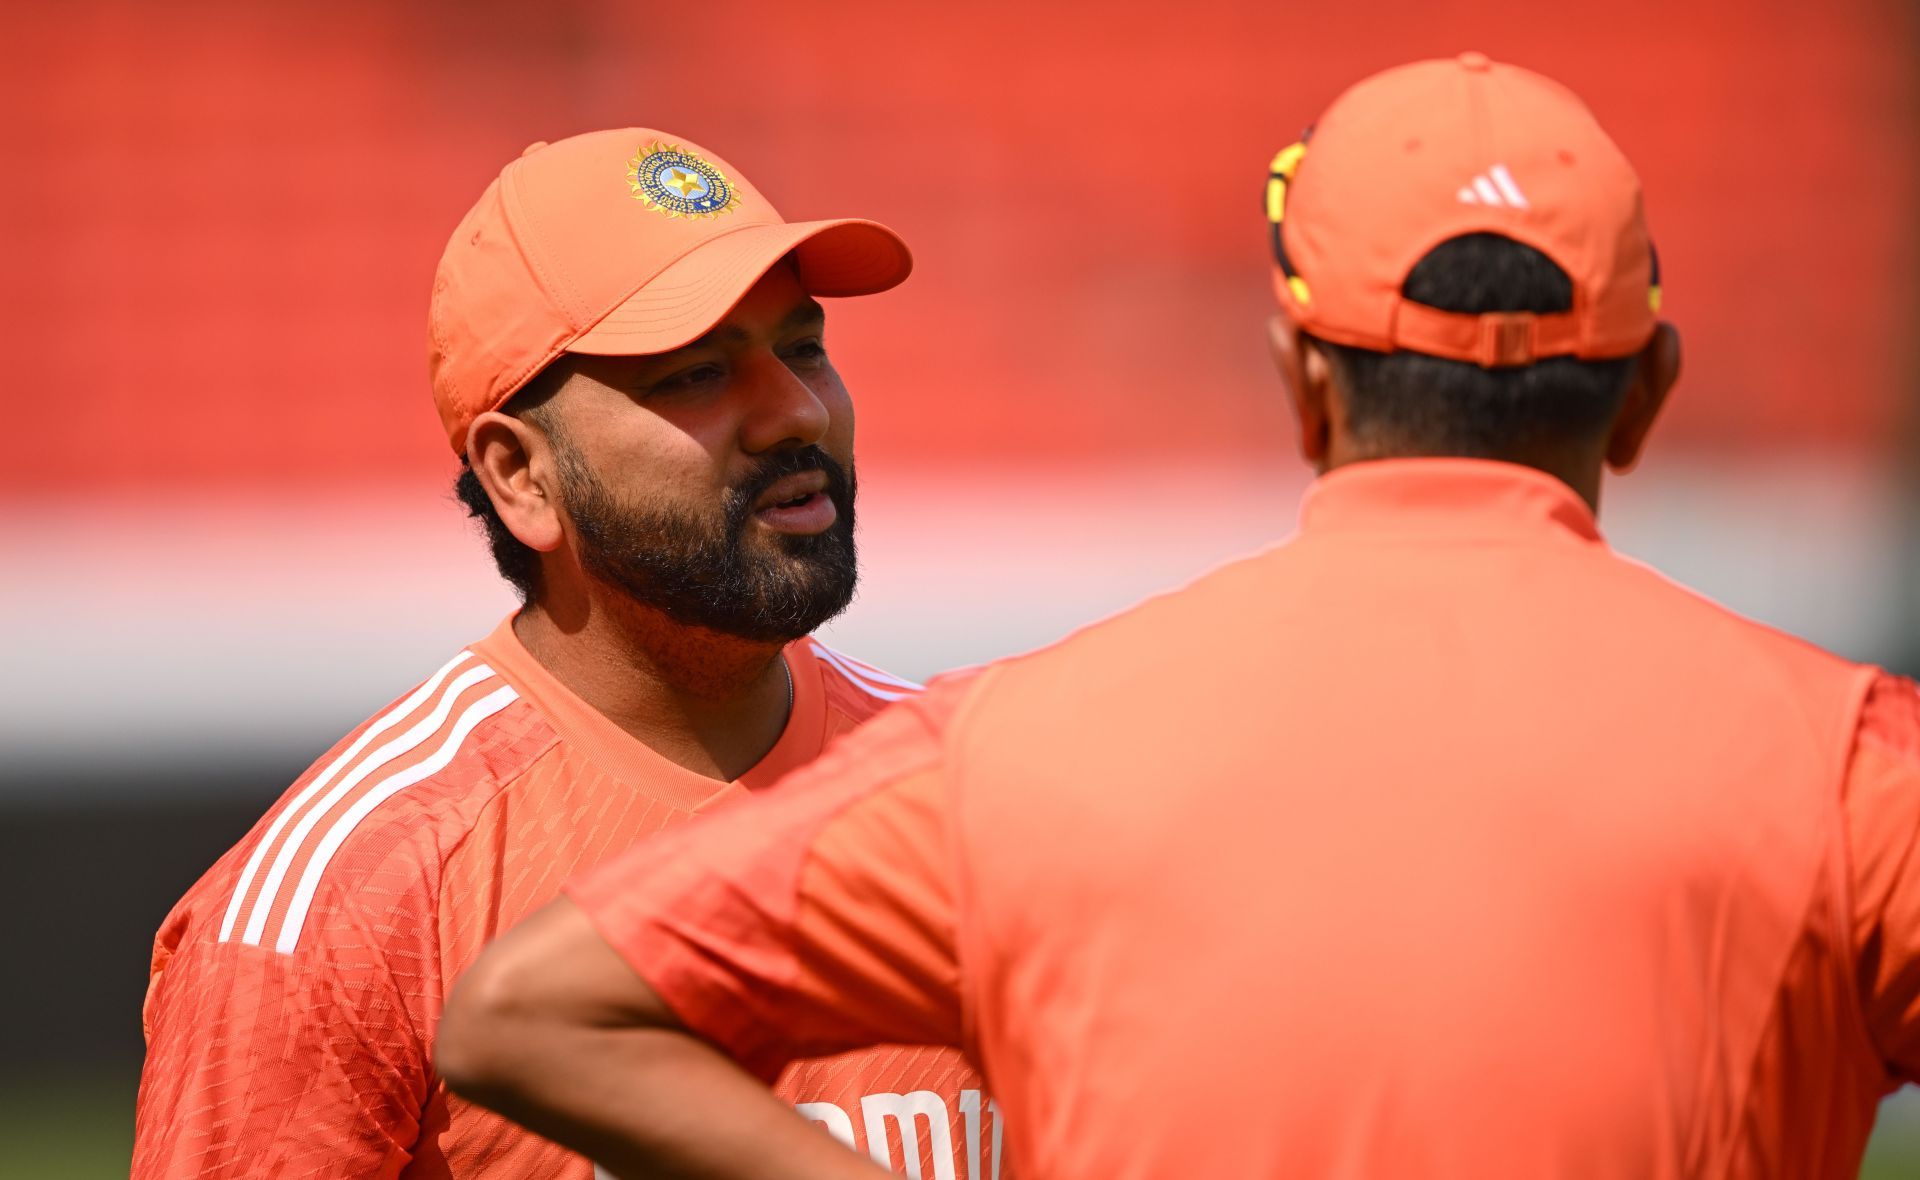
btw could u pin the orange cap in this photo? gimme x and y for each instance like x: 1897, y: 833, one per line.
x: 1411, y: 157
x: 617, y: 243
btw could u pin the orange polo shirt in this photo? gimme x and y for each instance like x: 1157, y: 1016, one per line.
x: 296, y: 989
x: 1441, y: 841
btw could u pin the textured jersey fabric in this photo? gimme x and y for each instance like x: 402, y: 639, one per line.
x: 1440, y: 841
x: 296, y: 988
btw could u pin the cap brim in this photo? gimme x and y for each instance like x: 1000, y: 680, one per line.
x: 684, y: 301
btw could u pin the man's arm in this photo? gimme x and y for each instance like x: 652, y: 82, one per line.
x: 260, y: 1064
x: 552, y: 1029
x: 1883, y: 821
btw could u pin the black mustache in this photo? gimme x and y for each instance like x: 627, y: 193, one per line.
x: 778, y: 467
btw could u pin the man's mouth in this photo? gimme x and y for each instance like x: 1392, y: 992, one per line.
x: 797, y: 503
x: 792, y: 490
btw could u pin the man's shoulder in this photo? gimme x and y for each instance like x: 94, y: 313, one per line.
x: 855, y: 689
x: 1890, y: 719
x: 1680, y: 617
x: 373, y: 819
x: 1149, y: 638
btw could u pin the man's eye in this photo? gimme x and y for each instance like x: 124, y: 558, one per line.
x: 689, y: 378
x: 808, y: 350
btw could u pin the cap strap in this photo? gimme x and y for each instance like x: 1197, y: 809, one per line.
x: 1280, y: 174
x: 1493, y: 340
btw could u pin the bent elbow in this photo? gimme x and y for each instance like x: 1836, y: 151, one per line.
x: 475, y: 1049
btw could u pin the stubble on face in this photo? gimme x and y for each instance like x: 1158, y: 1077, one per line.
x: 711, y: 566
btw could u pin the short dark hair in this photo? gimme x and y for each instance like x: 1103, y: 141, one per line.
x: 517, y: 563
x: 1405, y: 403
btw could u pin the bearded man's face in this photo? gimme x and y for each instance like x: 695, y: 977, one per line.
x: 717, y: 566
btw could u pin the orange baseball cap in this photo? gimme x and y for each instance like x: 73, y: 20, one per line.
x: 1411, y: 157
x: 617, y: 243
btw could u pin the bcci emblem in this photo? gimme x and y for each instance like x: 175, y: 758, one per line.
x: 678, y: 183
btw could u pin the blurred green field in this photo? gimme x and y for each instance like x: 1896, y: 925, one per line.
x: 1895, y: 1151
x: 81, y: 1128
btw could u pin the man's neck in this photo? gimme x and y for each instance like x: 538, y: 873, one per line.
x: 1579, y: 470
x: 712, y: 703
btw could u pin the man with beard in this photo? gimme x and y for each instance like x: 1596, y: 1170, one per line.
x: 628, y: 357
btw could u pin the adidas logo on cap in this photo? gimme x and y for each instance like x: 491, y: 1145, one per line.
x: 1496, y: 187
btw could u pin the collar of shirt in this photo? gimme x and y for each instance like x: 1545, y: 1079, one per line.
x: 631, y: 760
x: 1460, y: 497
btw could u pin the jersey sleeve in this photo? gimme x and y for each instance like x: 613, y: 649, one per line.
x: 814, y: 919
x: 1883, y: 829
x: 306, y: 1065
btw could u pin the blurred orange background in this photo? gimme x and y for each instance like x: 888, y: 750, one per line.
x: 225, y: 216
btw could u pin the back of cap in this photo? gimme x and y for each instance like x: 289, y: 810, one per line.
x: 1420, y: 154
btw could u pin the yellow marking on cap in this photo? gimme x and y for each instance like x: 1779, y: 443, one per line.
x: 1298, y: 286
x: 1276, y: 199
x: 1288, y: 159
x: 1653, y: 298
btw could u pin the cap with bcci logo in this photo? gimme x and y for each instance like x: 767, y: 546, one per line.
x: 617, y: 243
x: 1414, y: 156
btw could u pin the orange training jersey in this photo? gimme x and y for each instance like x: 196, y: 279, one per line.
x: 1440, y: 842
x: 296, y: 987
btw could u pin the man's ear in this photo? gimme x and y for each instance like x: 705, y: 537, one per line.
x: 514, y: 463
x: 1655, y: 372
x: 1308, y: 380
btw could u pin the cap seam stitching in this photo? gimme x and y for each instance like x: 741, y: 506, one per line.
x: 524, y: 238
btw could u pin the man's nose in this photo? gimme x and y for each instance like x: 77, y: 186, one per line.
x: 785, y: 411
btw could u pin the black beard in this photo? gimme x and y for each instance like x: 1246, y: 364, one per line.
x: 697, y: 569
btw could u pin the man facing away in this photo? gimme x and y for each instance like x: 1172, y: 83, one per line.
x: 1439, y: 841
x: 628, y: 356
